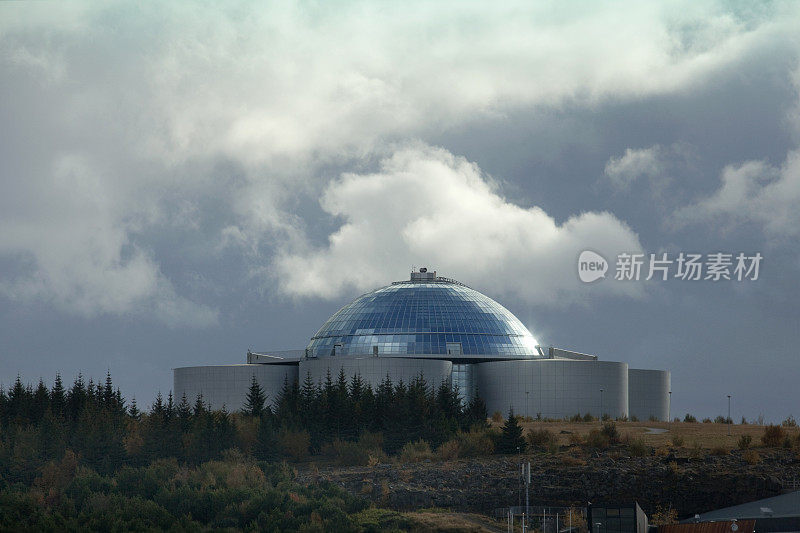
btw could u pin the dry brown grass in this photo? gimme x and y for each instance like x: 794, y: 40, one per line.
x: 704, y: 436
x: 451, y: 522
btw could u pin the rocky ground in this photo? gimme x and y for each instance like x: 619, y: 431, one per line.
x: 690, y: 484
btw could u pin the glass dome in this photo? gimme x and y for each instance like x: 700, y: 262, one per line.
x: 427, y: 315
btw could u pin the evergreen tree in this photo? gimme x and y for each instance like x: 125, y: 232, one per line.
x: 511, y: 440
x: 40, y: 402
x: 254, y: 405
x: 133, y: 411
x: 475, y: 414
x: 108, y: 391
x: 199, y: 406
x: 76, y: 398
x: 58, y: 400
x: 3, y: 407
x: 18, y: 401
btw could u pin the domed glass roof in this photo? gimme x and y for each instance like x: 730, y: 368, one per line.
x: 428, y: 315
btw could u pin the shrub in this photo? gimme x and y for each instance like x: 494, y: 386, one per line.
x: 790, y: 422
x: 448, y: 450
x: 744, y: 442
x: 664, y: 517
x: 773, y: 436
x: 719, y: 450
x: 348, y: 453
x: 295, y: 444
x: 576, y: 418
x: 706, y: 421
x: 663, y: 451
x: 638, y: 448
x: 689, y: 418
x: 596, y: 439
x: 610, y: 431
x: 677, y: 441
x: 415, y: 452
x: 497, y: 417
x: 720, y: 419
x: 540, y: 438
x: 576, y: 438
x: 476, y: 443
x: 588, y: 417
x: 751, y: 457
x: 634, y: 418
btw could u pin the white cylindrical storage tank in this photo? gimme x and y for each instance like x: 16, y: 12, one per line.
x: 554, y: 388
x: 648, y: 394
x: 373, y: 370
x: 227, y: 385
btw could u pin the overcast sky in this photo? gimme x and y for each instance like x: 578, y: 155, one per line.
x: 182, y: 182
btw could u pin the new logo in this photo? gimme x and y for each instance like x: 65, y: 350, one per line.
x: 591, y: 266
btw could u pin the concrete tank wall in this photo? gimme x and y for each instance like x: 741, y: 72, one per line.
x: 373, y: 370
x: 648, y: 393
x: 555, y: 388
x: 227, y: 385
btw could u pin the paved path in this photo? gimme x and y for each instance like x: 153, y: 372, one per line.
x: 656, y: 431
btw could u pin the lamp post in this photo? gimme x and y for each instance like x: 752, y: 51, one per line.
x: 729, y: 415
x: 527, y: 406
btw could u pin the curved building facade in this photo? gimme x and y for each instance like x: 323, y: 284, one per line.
x: 648, y: 394
x: 226, y: 386
x: 555, y: 388
x: 442, y: 330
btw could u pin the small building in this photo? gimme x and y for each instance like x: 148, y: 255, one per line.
x: 616, y: 518
x: 778, y: 514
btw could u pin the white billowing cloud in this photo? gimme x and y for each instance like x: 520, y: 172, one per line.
x: 428, y: 207
x: 84, y: 260
x: 275, y: 92
x: 634, y: 164
x: 753, y: 192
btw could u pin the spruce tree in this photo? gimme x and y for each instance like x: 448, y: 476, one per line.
x: 511, y: 440
x: 134, y: 410
x: 254, y: 406
x: 58, y: 401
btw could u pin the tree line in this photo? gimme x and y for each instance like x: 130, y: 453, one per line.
x: 94, y: 421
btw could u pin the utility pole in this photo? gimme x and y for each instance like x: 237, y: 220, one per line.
x: 527, y: 487
x: 519, y: 483
x: 729, y: 415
